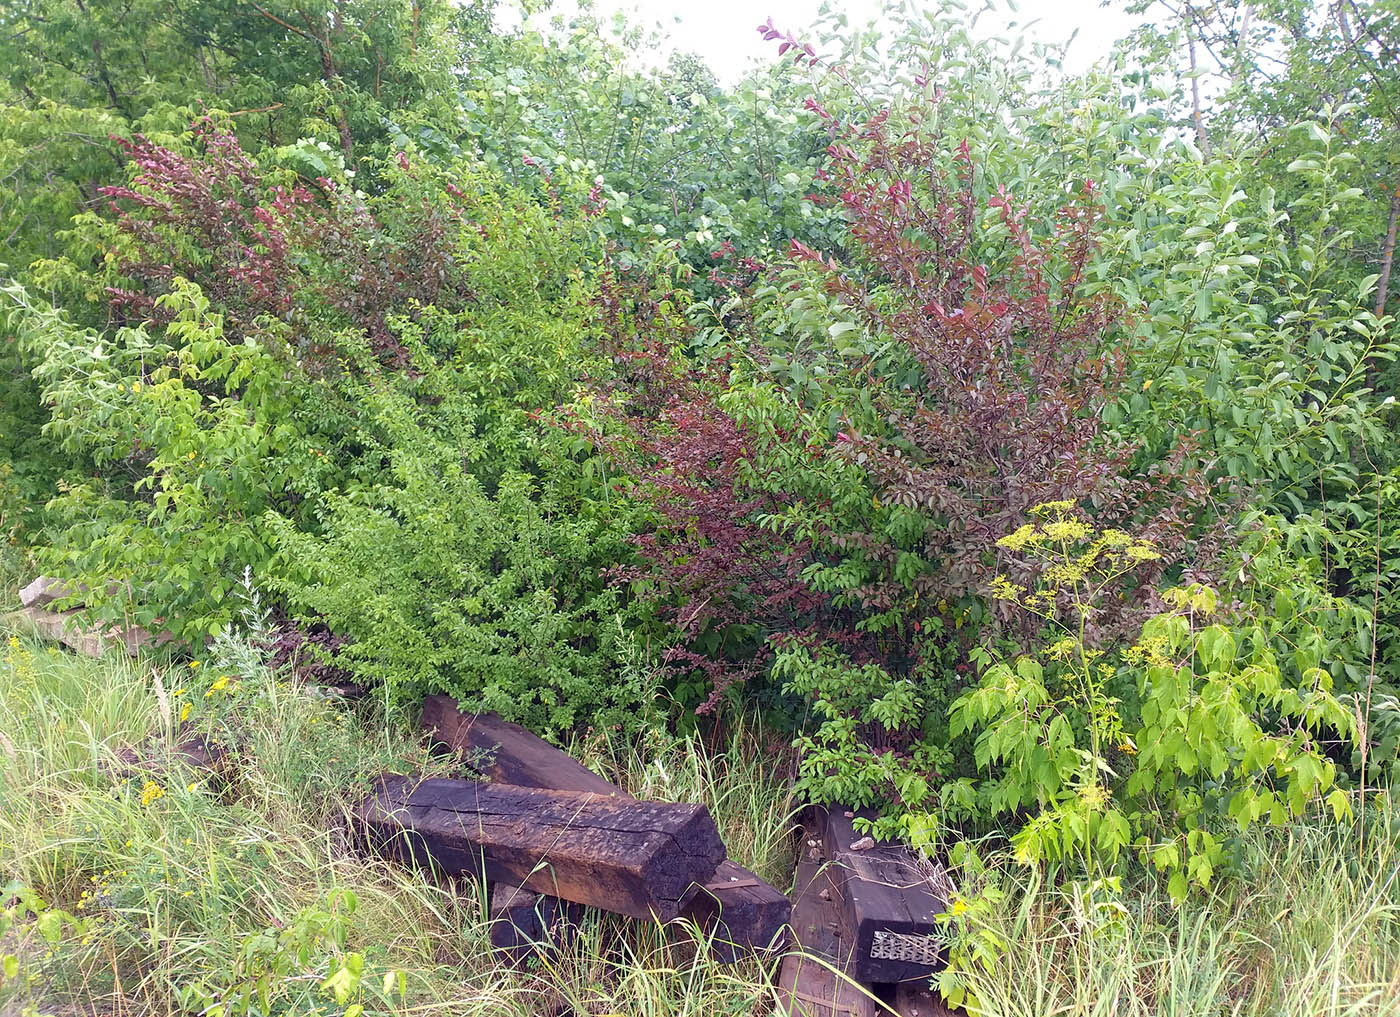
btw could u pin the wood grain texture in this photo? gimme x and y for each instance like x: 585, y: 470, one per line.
x: 741, y: 912
x: 883, y: 889
x: 524, y: 922
x: 807, y: 988
x: 816, y: 982
x: 507, y: 753
x: 634, y: 858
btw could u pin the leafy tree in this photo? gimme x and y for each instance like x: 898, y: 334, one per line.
x: 1276, y: 63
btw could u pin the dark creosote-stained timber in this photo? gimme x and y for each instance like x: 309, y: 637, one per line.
x: 506, y: 753
x: 523, y: 921
x: 888, y: 902
x: 817, y: 981
x: 740, y: 911
x: 640, y: 859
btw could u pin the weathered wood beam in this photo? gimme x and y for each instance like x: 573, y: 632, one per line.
x: 742, y: 912
x: 43, y: 592
x: 640, y: 859
x: 523, y: 921
x: 506, y: 753
x: 916, y: 999
x: 888, y: 903
x: 817, y: 982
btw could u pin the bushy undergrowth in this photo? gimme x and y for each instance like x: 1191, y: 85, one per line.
x: 341, y: 393
x: 619, y: 402
x: 169, y: 890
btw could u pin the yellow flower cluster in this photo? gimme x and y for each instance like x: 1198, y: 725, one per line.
x: 1020, y: 539
x: 1066, y: 529
x: 1151, y: 652
x: 21, y: 664
x: 98, y: 893
x: 1004, y: 589
x: 150, y: 792
x: 1094, y: 796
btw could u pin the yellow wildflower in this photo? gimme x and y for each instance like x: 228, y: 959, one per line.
x: 1002, y: 589
x: 1066, y: 529
x: 136, y: 386
x: 14, y: 642
x: 1020, y: 539
x: 150, y: 792
x: 1095, y: 795
x: 959, y: 907
x: 1147, y: 384
x: 1064, y: 574
x: 194, y: 663
x: 184, y: 712
x: 1142, y: 551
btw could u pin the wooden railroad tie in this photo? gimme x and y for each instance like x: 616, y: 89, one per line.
x: 523, y: 921
x: 740, y: 911
x: 818, y: 982
x: 639, y: 859
x: 889, y: 902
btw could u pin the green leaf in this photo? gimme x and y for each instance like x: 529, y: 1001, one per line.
x: 1177, y: 887
x: 50, y: 925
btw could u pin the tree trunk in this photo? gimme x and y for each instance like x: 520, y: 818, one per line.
x: 332, y: 76
x: 1201, y: 141
x: 1388, y: 253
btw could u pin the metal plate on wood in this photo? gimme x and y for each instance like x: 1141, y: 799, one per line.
x: 903, y: 946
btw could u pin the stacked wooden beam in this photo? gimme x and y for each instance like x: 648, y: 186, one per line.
x: 865, y: 919
x: 549, y: 836
x: 635, y: 858
x: 552, y: 837
x: 740, y: 912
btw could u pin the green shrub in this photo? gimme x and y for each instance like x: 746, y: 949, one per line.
x: 474, y: 566
x: 1103, y: 746
x: 352, y: 409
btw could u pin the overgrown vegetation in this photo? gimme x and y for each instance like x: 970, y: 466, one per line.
x: 1015, y: 446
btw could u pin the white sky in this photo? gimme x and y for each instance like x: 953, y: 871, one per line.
x: 723, y: 31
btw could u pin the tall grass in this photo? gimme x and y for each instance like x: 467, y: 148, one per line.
x: 176, y: 886
x: 1309, y: 926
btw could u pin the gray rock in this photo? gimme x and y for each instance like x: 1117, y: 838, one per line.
x: 43, y: 592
